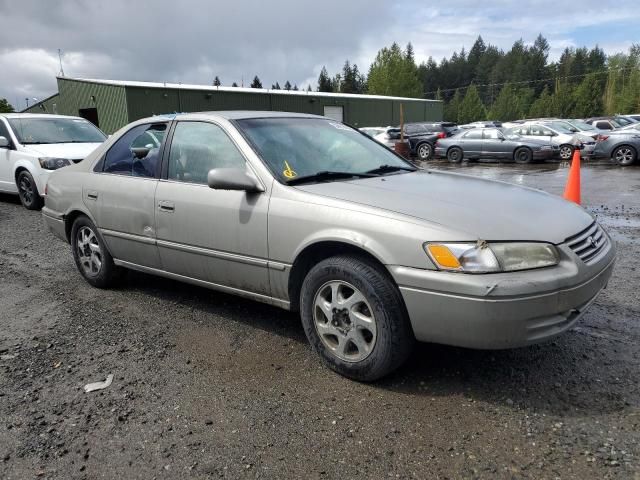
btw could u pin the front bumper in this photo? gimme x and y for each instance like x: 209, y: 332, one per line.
x: 503, y: 310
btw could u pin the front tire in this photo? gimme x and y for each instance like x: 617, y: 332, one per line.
x: 625, y: 155
x: 354, y: 318
x: 455, y: 155
x: 424, y: 151
x: 28, y: 191
x: 93, y: 260
x: 522, y: 155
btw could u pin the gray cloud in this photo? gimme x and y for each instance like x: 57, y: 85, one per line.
x: 191, y: 41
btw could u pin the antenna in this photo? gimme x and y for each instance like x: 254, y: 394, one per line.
x: 60, y: 59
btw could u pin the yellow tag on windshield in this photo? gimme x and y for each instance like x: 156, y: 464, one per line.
x: 288, y: 171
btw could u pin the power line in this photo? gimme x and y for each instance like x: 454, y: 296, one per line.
x: 530, y: 81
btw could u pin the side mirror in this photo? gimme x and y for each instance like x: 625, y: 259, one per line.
x: 4, y: 143
x: 140, y: 152
x: 233, y: 179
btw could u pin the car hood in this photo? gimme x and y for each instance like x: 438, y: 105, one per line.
x: 73, y: 151
x: 484, y: 209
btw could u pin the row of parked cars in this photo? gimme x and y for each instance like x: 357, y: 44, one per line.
x: 522, y: 141
x: 309, y: 215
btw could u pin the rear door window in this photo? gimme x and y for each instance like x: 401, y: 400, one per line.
x: 473, y: 134
x: 137, y: 152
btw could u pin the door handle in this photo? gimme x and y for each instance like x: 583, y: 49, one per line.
x: 166, y: 206
x: 92, y: 195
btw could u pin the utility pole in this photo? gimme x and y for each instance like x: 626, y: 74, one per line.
x: 60, y: 60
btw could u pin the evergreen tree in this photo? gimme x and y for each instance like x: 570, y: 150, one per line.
x: 216, y: 82
x: 234, y: 84
x: 471, y: 108
x: 452, y: 108
x: 324, y: 81
x: 256, y: 82
x: 588, y: 97
x: 308, y: 88
x: 394, y: 73
x: 506, y: 106
x: 287, y: 85
x: 275, y: 86
x: 542, y: 106
x: 295, y: 87
x: 5, y: 106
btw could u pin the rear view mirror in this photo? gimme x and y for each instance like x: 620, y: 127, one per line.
x: 4, y: 143
x: 140, y: 152
x: 233, y: 179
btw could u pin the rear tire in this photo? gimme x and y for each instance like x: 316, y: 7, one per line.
x: 424, y: 151
x: 455, y: 154
x: 28, y: 191
x: 354, y: 318
x: 93, y: 260
x: 522, y: 155
x: 624, y: 155
x: 566, y: 152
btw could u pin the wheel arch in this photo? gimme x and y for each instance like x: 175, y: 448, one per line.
x: 71, y: 216
x: 314, y: 253
x: 628, y: 145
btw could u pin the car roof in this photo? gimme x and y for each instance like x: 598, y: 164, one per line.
x: 247, y: 114
x: 37, y: 115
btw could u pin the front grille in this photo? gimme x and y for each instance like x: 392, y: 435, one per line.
x: 589, y: 243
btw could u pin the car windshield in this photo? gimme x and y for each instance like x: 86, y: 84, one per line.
x: 30, y: 131
x: 622, y: 121
x: 561, y: 127
x: 297, y: 147
x: 580, y: 125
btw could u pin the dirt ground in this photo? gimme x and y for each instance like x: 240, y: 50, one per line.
x: 207, y: 385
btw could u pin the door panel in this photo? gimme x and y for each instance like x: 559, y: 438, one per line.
x: 125, y: 212
x: 7, y: 159
x: 213, y: 235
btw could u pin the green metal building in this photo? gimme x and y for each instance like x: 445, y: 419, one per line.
x: 111, y: 104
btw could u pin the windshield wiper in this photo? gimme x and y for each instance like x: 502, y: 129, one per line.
x: 388, y: 169
x: 326, y: 175
x: 37, y: 143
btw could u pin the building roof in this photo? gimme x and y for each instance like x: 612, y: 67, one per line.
x: 184, y: 86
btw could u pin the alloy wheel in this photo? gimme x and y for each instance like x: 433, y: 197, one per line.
x: 89, y: 251
x: 566, y: 153
x: 624, y: 156
x: 344, y: 321
x: 26, y: 189
x: 424, y: 152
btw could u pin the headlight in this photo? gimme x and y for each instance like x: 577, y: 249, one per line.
x: 483, y: 257
x: 53, y: 163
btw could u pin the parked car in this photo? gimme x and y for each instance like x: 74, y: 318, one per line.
x: 486, y: 124
x: 609, y: 123
x: 33, y: 145
x: 558, y: 135
x: 307, y: 214
x: 478, y: 143
x: 574, y: 125
x: 422, y: 137
x: 372, y: 131
x: 388, y: 136
x: 635, y: 116
x: 622, y: 146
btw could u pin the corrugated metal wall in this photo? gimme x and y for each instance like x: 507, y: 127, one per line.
x: 118, y: 105
x: 48, y: 105
x: 360, y: 112
x: 109, y: 100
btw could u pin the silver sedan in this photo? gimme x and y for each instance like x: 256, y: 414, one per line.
x: 310, y: 215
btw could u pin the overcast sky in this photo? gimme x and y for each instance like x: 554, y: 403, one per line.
x: 191, y: 41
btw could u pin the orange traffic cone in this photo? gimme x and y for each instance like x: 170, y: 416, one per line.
x: 572, y: 190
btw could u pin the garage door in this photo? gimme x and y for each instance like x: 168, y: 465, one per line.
x: 333, y: 112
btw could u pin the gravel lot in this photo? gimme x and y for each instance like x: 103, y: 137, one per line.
x: 208, y: 385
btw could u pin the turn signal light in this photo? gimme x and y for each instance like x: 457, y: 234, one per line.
x: 443, y: 256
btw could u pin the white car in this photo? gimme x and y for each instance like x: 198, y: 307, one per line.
x: 559, y: 135
x: 33, y: 145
